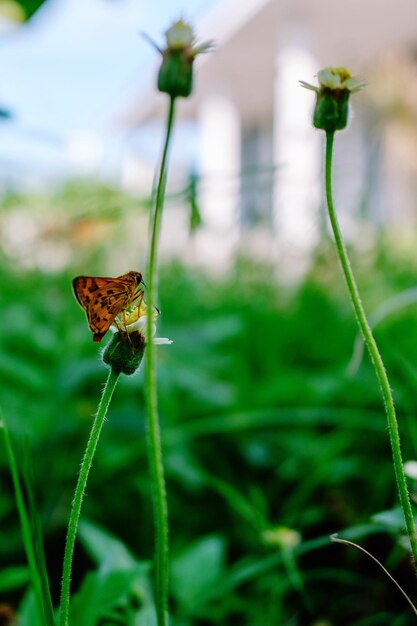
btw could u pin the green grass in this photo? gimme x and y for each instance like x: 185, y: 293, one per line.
x: 262, y: 427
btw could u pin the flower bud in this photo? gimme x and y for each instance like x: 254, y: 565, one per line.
x: 282, y: 537
x: 176, y: 72
x: 332, y: 97
x: 124, y: 353
x: 331, y: 111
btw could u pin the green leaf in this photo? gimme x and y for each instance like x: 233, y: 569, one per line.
x: 127, y: 589
x: 196, y: 569
x: 393, y: 520
x: 13, y: 578
x: 195, y: 219
x: 28, y: 614
x: 105, y: 549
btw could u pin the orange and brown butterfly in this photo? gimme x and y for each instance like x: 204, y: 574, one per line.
x: 104, y: 298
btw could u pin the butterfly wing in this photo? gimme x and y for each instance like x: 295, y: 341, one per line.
x: 102, y: 299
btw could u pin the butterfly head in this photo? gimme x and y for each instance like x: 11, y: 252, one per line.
x: 136, y: 276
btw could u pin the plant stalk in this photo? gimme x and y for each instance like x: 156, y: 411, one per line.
x: 373, y: 352
x: 152, y: 419
x: 24, y: 521
x: 79, y: 494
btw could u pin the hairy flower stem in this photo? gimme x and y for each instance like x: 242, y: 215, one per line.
x: 374, y: 354
x: 152, y: 419
x: 79, y: 494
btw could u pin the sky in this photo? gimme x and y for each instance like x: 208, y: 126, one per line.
x: 69, y: 76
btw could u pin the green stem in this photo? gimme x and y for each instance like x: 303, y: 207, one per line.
x: 152, y: 420
x: 79, y: 494
x: 24, y: 520
x: 374, y: 354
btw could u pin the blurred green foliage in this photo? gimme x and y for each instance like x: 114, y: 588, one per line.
x: 263, y: 430
x: 20, y: 10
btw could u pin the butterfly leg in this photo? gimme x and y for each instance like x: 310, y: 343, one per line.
x: 118, y: 325
x: 123, y: 314
x: 141, y: 296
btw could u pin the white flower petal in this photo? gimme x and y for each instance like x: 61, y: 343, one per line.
x: 328, y: 79
x: 410, y: 469
x: 202, y: 48
x: 141, y: 326
x: 138, y: 325
x: 161, y: 341
x: 308, y: 86
x: 179, y: 36
x: 354, y: 84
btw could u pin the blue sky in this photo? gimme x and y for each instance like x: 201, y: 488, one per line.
x: 70, y: 74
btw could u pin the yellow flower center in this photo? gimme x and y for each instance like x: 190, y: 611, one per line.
x: 340, y: 71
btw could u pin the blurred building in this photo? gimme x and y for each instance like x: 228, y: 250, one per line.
x: 257, y: 156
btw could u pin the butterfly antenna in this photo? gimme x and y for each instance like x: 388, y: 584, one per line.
x: 155, y: 307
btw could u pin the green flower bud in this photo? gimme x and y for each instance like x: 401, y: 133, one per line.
x: 332, y: 97
x: 331, y: 110
x: 176, y: 72
x: 124, y: 353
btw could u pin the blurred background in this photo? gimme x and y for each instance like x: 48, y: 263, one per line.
x: 273, y: 425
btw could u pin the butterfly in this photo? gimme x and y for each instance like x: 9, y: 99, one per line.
x: 103, y: 299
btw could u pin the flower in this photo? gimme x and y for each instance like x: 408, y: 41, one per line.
x: 332, y: 97
x: 175, y: 74
x: 336, y: 78
x: 141, y: 326
x: 135, y: 320
x: 179, y: 36
x: 410, y: 469
x: 124, y: 353
x: 282, y: 537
